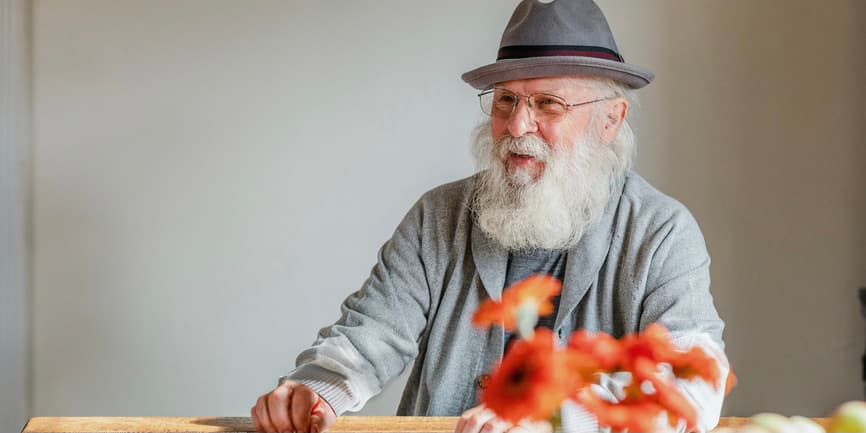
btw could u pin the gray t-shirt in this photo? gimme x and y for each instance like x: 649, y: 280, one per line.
x: 522, y: 264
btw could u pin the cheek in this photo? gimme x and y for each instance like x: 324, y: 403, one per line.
x: 564, y: 133
x: 550, y: 134
x: 498, y: 128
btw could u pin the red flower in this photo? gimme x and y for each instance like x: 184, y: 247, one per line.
x: 730, y: 382
x: 696, y: 363
x: 675, y: 403
x: 532, y: 380
x: 634, y: 415
x: 641, y: 354
x: 605, y: 350
x: 640, y: 411
x: 655, y: 344
x: 580, y: 370
x: 537, y: 290
x: 535, y: 376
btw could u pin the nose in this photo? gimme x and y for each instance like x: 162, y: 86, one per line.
x: 522, y: 120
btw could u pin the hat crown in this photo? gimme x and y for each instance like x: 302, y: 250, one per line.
x: 558, y: 23
x: 557, y: 38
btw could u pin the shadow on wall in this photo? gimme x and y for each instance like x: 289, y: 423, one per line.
x: 860, y: 119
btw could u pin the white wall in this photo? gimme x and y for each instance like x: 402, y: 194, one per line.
x: 213, y: 177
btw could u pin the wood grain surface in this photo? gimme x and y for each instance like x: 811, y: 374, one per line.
x: 372, y: 424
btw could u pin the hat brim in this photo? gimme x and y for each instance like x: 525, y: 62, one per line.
x: 538, y: 67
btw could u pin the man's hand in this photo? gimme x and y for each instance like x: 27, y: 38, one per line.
x: 479, y: 419
x: 292, y: 407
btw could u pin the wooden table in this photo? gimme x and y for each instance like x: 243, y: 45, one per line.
x: 373, y: 424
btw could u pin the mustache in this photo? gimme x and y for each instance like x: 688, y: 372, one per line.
x: 528, y: 145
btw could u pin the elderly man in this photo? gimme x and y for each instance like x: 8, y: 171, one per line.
x: 554, y: 195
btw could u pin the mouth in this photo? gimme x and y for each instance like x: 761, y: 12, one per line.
x: 522, y: 160
x: 521, y: 155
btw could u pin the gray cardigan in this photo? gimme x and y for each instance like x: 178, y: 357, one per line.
x: 644, y: 261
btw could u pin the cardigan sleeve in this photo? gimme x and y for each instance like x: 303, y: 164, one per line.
x: 678, y: 297
x: 377, y: 335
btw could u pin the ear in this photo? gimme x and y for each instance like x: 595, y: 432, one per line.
x: 612, y: 116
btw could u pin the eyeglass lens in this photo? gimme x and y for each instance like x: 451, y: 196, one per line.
x: 501, y: 103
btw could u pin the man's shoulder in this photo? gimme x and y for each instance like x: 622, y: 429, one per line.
x: 442, y: 210
x: 642, y: 201
x: 458, y: 192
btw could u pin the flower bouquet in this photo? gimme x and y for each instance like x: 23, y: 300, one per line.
x: 537, y: 374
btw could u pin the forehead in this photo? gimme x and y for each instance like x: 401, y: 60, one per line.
x: 564, y: 85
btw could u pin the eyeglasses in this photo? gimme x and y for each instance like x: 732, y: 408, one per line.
x: 500, y: 103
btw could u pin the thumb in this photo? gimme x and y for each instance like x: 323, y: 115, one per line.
x: 317, y: 406
x: 316, y: 423
x: 322, y: 415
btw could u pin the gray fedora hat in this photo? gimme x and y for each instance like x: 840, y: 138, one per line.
x: 562, y: 37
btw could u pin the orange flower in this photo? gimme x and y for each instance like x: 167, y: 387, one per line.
x: 580, y: 370
x: 634, y: 415
x: 696, y: 363
x: 535, y: 377
x: 641, y: 355
x: 535, y: 290
x: 532, y: 380
x: 730, y: 382
x: 639, y: 411
x: 675, y: 403
x: 655, y: 344
x: 604, y: 349
x: 658, y: 337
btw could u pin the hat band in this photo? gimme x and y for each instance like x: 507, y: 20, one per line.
x: 523, y: 51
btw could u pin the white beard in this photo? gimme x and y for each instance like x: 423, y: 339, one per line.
x: 550, y: 212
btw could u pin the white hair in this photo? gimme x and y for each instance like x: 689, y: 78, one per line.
x: 553, y: 211
x: 624, y: 144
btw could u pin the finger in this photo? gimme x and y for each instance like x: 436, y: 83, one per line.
x: 262, y: 414
x: 531, y: 427
x: 465, y: 417
x: 476, y: 423
x: 255, y: 419
x: 316, y: 423
x: 323, y: 415
x: 303, y: 399
x: 461, y: 423
x: 524, y: 428
x: 278, y: 408
x: 496, y: 425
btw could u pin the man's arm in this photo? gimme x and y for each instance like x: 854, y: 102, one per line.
x: 377, y: 334
x: 676, y: 294
x: 292, y: 406
x: 678, y: 297
x: 374, y: 340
